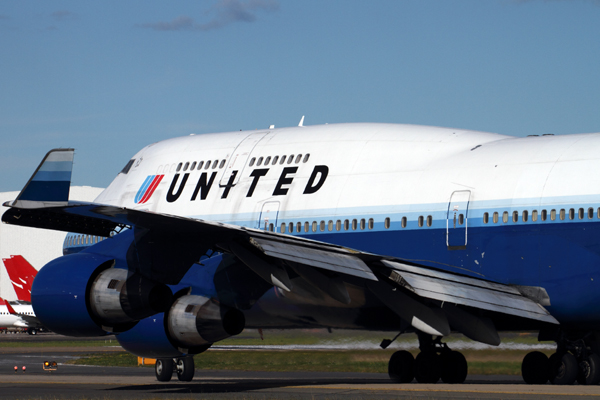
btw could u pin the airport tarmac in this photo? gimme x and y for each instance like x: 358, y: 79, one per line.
x: 87, y: 382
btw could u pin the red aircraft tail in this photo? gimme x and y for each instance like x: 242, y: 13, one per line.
x: 21, y: 275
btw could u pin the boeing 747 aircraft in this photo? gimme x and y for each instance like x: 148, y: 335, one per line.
x: 372, y: 226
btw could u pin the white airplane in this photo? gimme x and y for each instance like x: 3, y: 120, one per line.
x: 373, y: 226
x: 19, y: 313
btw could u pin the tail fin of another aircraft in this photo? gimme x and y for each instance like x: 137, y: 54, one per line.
x: 10, y: 309
x: 50, y: 183
x: 21, y: 275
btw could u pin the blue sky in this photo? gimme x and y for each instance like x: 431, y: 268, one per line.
x: 109, y: 77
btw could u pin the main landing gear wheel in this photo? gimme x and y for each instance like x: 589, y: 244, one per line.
x: 164, y: 369
x: 454, y: 367
x: 401, y: 367
x: 185, y: 368
x: 535, y: 368
x: 563, y: 368
x: 32, y: 331
x: 589, y: 370
x: 428, y: 368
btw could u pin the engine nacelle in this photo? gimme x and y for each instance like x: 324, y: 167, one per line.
x: 196, y: 321
x: 83, y: 295
x: 192, y: 324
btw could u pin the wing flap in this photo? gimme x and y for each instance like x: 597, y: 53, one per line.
x: 467, y: 291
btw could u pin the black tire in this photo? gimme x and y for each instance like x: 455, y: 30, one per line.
x: 164, y: 369
x: 428, y: 368
x: 401, y: 367
x: 535, y: 368
x: 454, y: 367
x: 32, y: 331
x: 589, y: 370
x: 185, y: 368
x: 563, y: 368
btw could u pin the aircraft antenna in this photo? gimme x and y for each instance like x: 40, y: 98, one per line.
x: 301, y: 121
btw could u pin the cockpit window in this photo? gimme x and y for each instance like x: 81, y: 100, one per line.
x: 128, y: 166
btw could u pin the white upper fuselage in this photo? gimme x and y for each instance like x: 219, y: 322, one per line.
x: 8, y: 320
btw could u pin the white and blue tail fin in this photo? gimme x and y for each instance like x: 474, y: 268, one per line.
x: 50, y: 183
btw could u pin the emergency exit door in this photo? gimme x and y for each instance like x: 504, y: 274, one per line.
x: 457, y: 220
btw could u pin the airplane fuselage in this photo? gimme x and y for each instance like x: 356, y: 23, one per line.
x: 521, y: 211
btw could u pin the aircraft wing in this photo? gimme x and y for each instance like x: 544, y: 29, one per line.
x: 170, y: 244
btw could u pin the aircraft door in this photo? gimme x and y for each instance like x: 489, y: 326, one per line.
x: 268, y: 216
x: 239, y: 159
x: 456, y: 221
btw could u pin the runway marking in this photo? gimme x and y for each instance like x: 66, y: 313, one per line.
x: 448, y: 390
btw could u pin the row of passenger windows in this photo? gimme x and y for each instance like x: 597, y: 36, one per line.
x: 348, y: 225
x: 273, y: 161
x: 210, y: 164
x: 80, y: 240
x: 543, y: 215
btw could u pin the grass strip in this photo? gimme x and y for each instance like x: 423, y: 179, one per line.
x: 492, y: 362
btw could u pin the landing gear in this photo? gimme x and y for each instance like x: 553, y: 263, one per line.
x: 32, y: 331
x: 401, y: 367
x: 435, y: 361
x: 163, y: 369
x: 185, y: 368
x: 573, y: 361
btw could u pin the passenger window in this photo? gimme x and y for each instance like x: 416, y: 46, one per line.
x: 306, y: 226
x: 314, y: 226
x: 420, y: 221
x: 200, y: 164
x: 515, y: 216
x: 299, y: 227
x: 403, y: 224
x: 275, y: 159
x: 283, y: 227
x: 552, y: 215
x: 354, y: 224
x: 222, y: 164
x: 290, y: 159
x: 291, y: 228
x: 306, y: 158
x: 271, y: 227
x: 371, y: 223
x: 185, y: 167
x: 561, y: 214
x: 525, y: 215
x: 259, y: 163
x: 544, y: 215
x: 330, y: 226
x: 322, y: 226
x: 430, y: 220
x: 298, y: 158
x: 495, y: 218
x: 362, y: 224
x: 179, y: 167
x: 461, y: 219
x: 598, y: 212
x: 282, y: 160
x: 505, y: 217
x: 215, y: 164
x: 193, y: 166
x: 252, y: 160
x: 386, y: 223
x: 486, y: 218
x: 267, y: 160
x: 346, y: 225
x: 534, y: 215
x: 572, y: 214
x: 207, y: 166
x: 580, y: 213
x: 338, y: 225
x: 590, y: 213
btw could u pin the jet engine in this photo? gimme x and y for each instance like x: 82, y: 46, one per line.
x: 84, y: 294
x: 190, y: 326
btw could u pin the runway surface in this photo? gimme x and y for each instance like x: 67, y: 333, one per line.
x: 83, y: 382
